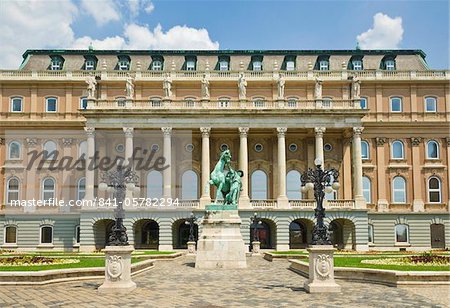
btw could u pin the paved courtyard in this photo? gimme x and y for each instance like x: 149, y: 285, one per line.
x: 262, y: 284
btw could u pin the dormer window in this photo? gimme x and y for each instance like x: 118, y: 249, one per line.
x: 157, y: 63
x: 323, y: 63
x: 190, y: 63
x: 223, y: 63
x: 124, y: 63
x: 388, y: 63
x: 56, y: 63
x: 288, y: 63
x: 90, y: 63
x: 357, y: 65
x: 256, y: 64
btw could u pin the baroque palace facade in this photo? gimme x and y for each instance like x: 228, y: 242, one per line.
x: 380, y: 117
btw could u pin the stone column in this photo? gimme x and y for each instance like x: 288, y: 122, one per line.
x: 310, y: 161
x: 319, y: 142
x: 167, y: 173
x: 90, y: 173
x: 346, y: 174
x: 418, y: 205
x: 382, y: 204
x: 206, y: 197
x: 244, y: 200
x: 282, y: 200
x: 357, y: 168
x: 129, y: 131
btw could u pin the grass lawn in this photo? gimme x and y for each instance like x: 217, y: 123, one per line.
x: 351, y: 261
x: 84, y: 262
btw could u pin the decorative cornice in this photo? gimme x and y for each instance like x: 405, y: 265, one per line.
x: 380, y: 141
x: 415, y: 141
x: 281, y: 131
x: 205, y: 131
x: 90, y: 131
x: 358, y: 131
x: 320, y: 131
x: 243, y: 131
x: 128, y: 131
x: 167, y: 131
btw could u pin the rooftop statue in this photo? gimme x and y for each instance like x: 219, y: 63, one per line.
x: 229, y: 185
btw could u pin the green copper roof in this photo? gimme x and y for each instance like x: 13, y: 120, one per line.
x: 225, y: 52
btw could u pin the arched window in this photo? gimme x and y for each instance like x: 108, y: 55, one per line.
x: 399, y: 189
x: 155, y: 102
x: 365, y: 153
x: 432, y: 150
x: 367, y: 189
x: 189, y: 185
x: 259, y: 102
x: 51, y: 104
x: 293, y: 185
x: 189, y: 102
x: 83, y: 102
x: 401, y: 233
x: 50, y: 150
x: 81, y: 188
x: 259, y: 185
x: 46, y: 235
x: 397, y: 150
x: 434, y: 190
x: 224, y: 102
x: 363, y: 103
x: 12, y: 190
x: 370, y: 233
x: 48, y: 189
x: 292, y: 102
x: 82, y: 150
x: 154, y: 184
x: 430, y: 104
x: 16, y: 104
x: 396, y: 104
x: 14, y: 150
x: 10, y: 235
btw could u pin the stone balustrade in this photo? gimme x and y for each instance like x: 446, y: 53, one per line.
x: 263, y: 203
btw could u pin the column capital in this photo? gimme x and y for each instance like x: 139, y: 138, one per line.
x: 380, y: 141
x: 357, y: 131
x: 319, y: 131
x: 205, y: 131
x: 128, y: 131
x: 167, y: 131
x: 415, y: 141
x: 90, y: 131
x: 243, y: 131
x: 281, y: 131
x: 66, y: 142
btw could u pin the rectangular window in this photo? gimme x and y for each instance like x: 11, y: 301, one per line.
x: 323, y: 65
x: 77, y: 234
x: 11, y: 235
x: 124, y: 65
x: 290, y: 65
x: 292, y: 103
x: 157, y: 65
x: 357, y: 65
x: 51, y: 105
x: 46, y: 235
x: 430, y: 103
x: 89, y: 65
x: 190, y: 103
x: 390, y: 65
x: 401, y: 234
x: 259, y: 103
x: 16, y: 105
x: 370, y: 230
x: 155, y: 102
x: 223, y: 65
x: 363, y: 103
x: 190, y: 65
x: 83, y: 103
x: 55, y: 65
x: 224, y: 104
x: 257, y: 65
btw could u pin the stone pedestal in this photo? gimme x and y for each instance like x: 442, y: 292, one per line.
x: 321, y: 270
x: 256, y: 248
x: 191, y: 248
x: 118, y: 270
x: 221, y: 245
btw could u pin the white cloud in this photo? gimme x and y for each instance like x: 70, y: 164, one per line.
x: 149, y: 7
x: 135, y: 6
x: 386, y: 33
x: 103, y: 11
x: 26, y: 25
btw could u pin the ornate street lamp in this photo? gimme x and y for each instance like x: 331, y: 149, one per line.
x: 117, y: 182
x: 321, y: 181
x: 191, y: 222
x: 256, y: 223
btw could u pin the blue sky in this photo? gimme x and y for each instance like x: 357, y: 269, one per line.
x: 241, y: 25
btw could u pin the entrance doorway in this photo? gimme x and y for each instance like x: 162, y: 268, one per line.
x: 437, y: 236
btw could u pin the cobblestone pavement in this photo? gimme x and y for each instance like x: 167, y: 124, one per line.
x: 178, y: 283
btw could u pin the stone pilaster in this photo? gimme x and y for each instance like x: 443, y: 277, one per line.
x: 90, y: 172
x: 244, y: 200
x: 382, y: 203
x: 206, y: 196
x: 129, y: 133
x: 167, y: 173
x: 282, y: 200
x: 319, y: 131
x: 360, y: 202
x: 418, y: 204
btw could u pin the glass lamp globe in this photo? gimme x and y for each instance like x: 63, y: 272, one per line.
x: 336, y: 185
x: 328, y: 189
x: 102, y: 186
x: 309, y: 186
x: 318, y: 162
x: 110, y: 189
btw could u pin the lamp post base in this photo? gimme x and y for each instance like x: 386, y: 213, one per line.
x: 321, y: 270
x: 117, y: 270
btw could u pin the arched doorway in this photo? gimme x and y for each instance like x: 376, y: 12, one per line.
x: 437, y: 232
x: 102, y: 230
x: 180, y: 233
x: 300, y: 233
x: 266, y: 232
x: 146, y: 234
x: 342, y: 233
